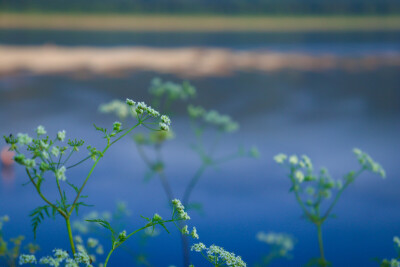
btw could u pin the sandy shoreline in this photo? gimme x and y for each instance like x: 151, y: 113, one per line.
x: 164, y: 23
x: 189, y: 62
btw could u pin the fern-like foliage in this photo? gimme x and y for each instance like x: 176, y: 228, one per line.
x: 39, y: 214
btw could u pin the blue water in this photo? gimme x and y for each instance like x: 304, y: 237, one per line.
x: 323, y: 115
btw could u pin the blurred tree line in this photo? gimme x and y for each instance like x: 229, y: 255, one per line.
x: 224, y: 7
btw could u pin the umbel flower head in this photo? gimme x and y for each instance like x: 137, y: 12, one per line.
x: 280, y: 242
x: 119, y: 108
x: 219, y: 256
x: 223, y: 123
x: 144, y: 112
x: 172, y: 91
x: 368, y: 163
x: 179, y: 209
x: 59, y: 256
x: 313, y: 188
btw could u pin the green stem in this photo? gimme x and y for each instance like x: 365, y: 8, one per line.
x: 71, y: 238
x: 192, y: 184
x: 94, y: 166
x: 168, y: 191
x: 69, y: 156
x: 108, y: 257
x: 76, y: 164
x: 348, y: 182
x: 324, y: 263
x: 43, y: 197
x: 298, y: 198
x: 115, y: 246
x: 59, y: 188
x: 127, y: 132
x: 86, y: 180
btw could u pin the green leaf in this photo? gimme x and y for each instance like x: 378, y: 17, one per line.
x: 103, y: 223
x: 74, y: 187
x: 81, y: 204
x: 38, y: 215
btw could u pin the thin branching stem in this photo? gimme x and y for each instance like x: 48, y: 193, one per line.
x: 43, y: 197
x: 114, y: 247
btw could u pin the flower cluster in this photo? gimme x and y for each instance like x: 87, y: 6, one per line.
x: 301, y: 173
x: 139, y: 110
x: 180, y: 214
x: 312, y: 189
x: 319, y: 186
x: 368, y: 163
x: 395, y: 262
x: 144, y: 112
x: 218, y: 256
x: 92, y: 246
x: 42, y: 154
x: 25, y: 259
x: 172, y: 90
x: 119, y: 108
x: 281, y: 242
x: 179, y: 210
x: 221, y: 122
x: 58, y: 257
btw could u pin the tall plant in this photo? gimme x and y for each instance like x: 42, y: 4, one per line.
x: 313, y: 191
x: 166, y: 95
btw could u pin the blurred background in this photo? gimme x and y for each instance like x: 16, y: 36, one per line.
x: 306, y: 77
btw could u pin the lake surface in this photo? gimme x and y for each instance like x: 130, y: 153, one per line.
x: 324, y: 115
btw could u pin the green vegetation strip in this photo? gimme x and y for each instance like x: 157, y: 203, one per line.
x: 114, y: 22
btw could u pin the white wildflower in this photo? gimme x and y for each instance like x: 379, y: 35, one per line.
x: 82, y: 257
x: 180, y: 209
x: 60, y: 254
x: 280, y: 158
x: 55, y: 151
x: 24, y: 139
x: 299, y: 176
x: 61, y: 135
x: 71, y: 263
x: 78, y: 239
x: 194, y: 233
x: 40, y: 130
x: 130, y: 102
x: 60, y: 173
x: 165, y: 119
x: 100, y: 250
x: 29, y: 163
x: 25, y: 259
x: 92, y: 242
x: 294, y: 160
x: 396, y: 240
x: 164, y: 126
x: 198, y: 247
x: 185, y: 230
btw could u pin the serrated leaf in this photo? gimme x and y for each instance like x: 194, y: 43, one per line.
x: 38, y: 216
x: 103, y: 223
x: 73, y: 186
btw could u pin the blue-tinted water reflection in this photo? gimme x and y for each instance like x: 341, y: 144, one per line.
x: 324, y: 120
x: 323, y: 115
